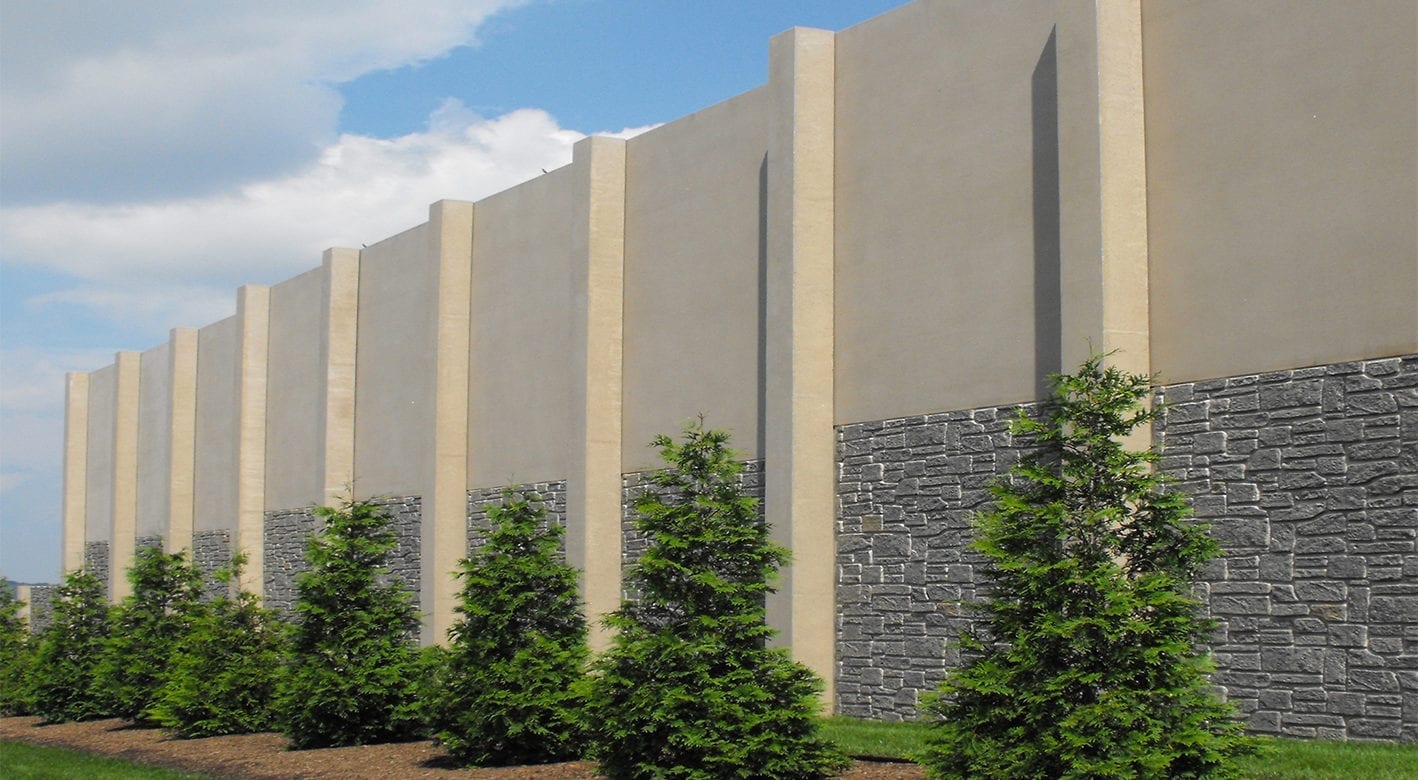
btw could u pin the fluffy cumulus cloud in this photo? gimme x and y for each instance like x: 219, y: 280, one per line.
x: 110, y: 102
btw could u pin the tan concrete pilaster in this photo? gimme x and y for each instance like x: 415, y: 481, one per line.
x: 25, y: 595
x: 182, y: 430
x: 124, y: 517
x: 445, y: 499
x: 253, y: 311
x: 800, y: 443
x: 76, y: 451
x: 593, y: 537
x: 340, y: 315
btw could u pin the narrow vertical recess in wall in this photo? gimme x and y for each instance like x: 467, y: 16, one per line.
x: 1044, y: 144
x: 594, y: 537
x: 445, y: 499
x: 800, y: 444
x: 182, y: 428
x: 340, y: 316
x: 124, y: 516
x: 253, y: 312
x: 76, y: 451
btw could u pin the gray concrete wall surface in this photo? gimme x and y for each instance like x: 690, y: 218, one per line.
x: 295, y: 394
x: 154, y: 440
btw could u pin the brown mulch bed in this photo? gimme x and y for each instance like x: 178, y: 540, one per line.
x: 266, y: 757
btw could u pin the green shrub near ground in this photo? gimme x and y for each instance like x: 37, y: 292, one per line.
x: 509, y: 689
x: 70, y: 646
x: 354, y: 670
x: 224, y: 673
x: 146, y: 628
x: 689, y: 688
x: 16, y: 654
x: 1090, y: 663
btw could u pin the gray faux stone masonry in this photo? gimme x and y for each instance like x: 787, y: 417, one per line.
x: 147, y: 541
x: 552, y: 496
x: 211, y: 551
x: 406, y: 521
x: 42, y: 606
x: 96, y: 561
x: 907, y: 491
x: 287, y: 535
x: 1309, y: 479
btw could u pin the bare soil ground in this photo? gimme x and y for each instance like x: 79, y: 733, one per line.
x: 266, y: 757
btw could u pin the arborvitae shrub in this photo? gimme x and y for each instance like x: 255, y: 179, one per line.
x: 146, y: 627
x: 508, y: 692
x: 354, y: 668
x: 1088, y: 662
x: 223, y: 675
x: 16, y: 652
x: 689, y: 688
x: 69, y: 650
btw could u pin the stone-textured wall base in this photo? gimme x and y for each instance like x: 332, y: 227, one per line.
x: 907, y: 492
x: 96, y: 561
x: 154, y: 540
x: 406, y: 520
x: 42, y: 606
x: 211, y: 551
x: 552, y: 496
x: 287, y: 536
x: 1309, y: 479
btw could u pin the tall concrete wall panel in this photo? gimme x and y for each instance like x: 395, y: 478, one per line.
x: 295, y: 394
x: 98, y: 508
x: 217, y: 426
x: 395, y: 368
x: 154, y: 441
x: 1282, y: 156
x: 694, y: 247
x: 520, y: 382
x: 947, y: 180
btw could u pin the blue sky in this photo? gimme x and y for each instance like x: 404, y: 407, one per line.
x: 156, y: 154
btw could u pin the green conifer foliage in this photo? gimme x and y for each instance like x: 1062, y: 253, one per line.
x: 16, y: 653
x: 689, y: 689
x: 354, y: 668
x: 508, y: 692
x: 146, y: 627
x: 223, y: 675
x: 69, y: 651
x: 1089, y: 665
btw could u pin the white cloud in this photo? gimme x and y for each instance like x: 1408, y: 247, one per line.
x: 152, y: 266
x: 140, y: 100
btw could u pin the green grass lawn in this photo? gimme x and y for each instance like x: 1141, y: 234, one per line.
x: 1280, y: 759
x: 19, y: 761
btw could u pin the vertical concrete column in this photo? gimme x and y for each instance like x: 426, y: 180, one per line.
x: 445, y: 499
x: 340, y: 315
x: 76, y: 467
x: 253, y: 312
x: 800, y: 444
x: 25, y: 595
x: 124, y: 517
x: 593, y: 536
x: 182, y: 430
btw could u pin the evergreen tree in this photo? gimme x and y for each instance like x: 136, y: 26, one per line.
x: 146, y: 627
x: 224, y: 672
x: 16, y: 652
x: 354, y: 666
x: 69, y: 651
x: 689, y: 689
x: 508, y: 692
x: 1088, y: 665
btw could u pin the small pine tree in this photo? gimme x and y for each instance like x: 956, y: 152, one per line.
x: 16, y: 653
x: 224, y: 672
x: 69, y: 649
x: 508, y: 692
x: 354, y: 668
x: 1089, y: 663
x: 689, y: 688
x: 146, y: 628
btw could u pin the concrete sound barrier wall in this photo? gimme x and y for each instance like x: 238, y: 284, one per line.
x: 861, y: 268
